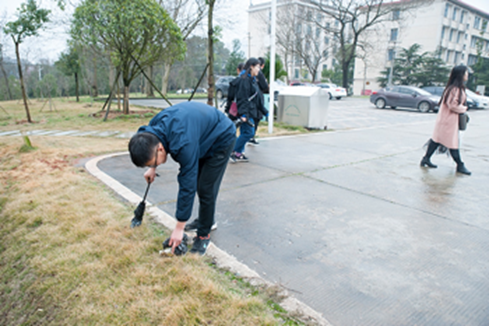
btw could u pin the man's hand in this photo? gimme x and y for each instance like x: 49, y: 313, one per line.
x: 176, y: 236
x: 150, y: 175
x: 243, y: 118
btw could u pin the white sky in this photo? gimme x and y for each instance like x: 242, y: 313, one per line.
x: 231, y: 15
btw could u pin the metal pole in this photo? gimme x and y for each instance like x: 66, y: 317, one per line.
x: 272, y: 69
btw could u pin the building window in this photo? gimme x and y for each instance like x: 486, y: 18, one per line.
x: 472, y: 59
x: 296, y: 73
x: 459, y: 36
x: 477, y: 22
x: 462, y: 16
x: 309, y: 30
x: 473, y: 42
x: 391, y: 54
x: 396, y: 14
x: 325, y: 54
x: 333, y: 62
x: 336, y: 23
x: 450, y: 38
x: 326, y: 40
x: 328, y: 25
x: 463, y: 56
x: 325, y: 67
x: 449, y: 53
x: 447, y: 7
x: 299, y: 29
x: 484, y: 25
x: 454, y: 16
x: 443, y: 32
x: 455, y: 58
x: 318, y: 32
x: 394, y: 32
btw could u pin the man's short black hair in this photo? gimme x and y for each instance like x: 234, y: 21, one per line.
x: 262, y: 61
x: 142, y: 148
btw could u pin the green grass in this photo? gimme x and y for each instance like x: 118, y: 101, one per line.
x: 68, y: 256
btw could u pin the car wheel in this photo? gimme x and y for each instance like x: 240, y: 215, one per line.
x: 424, y: 107
x: 219, y: 94
x: 338, y: 97
x: 380, y: 103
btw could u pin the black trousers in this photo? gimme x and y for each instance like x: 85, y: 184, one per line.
x: 211, y: 171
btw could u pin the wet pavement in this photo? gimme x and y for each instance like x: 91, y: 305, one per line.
x: 350, y: 224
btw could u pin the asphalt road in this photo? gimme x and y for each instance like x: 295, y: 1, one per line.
x: 349, y: 222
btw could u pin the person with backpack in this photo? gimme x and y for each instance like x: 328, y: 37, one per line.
x: 231, y: 106
x: 264, y: 89
x: 249, y: 102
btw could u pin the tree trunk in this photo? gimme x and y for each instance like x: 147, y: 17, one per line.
x: 166, y: 77
x: 6, y: 81
x: 149, y: 88
x: 94, y: 81
x: 76, y: 87
x: 126, y: 100
x: 210, y: 55
x: 24, y: 96
x: 344, y: 67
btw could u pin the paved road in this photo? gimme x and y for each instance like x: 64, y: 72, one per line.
x: 349, y: 222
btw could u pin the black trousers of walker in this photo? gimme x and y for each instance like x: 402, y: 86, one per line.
x: 211, y: 171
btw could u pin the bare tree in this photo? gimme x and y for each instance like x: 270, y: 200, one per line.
x: 187, y: 14
x: 352, y: 18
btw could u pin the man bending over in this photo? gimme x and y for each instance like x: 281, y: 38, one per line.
x: 200, y: 139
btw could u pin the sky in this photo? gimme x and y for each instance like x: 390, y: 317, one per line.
x: 231, y: 15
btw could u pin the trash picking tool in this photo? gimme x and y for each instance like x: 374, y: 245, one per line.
x: 139, y: 211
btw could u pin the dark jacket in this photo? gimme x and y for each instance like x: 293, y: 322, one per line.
x: 233, y: 88
x: 262, y: 83
x: 249, y: 99
x: 190, y: 131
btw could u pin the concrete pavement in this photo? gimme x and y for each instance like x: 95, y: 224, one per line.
x: 350, y: 224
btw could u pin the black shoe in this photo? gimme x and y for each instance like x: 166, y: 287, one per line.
x: 232, y: 158
x: 240, y: 158
x: 253, y: 142
x: 200, y: 245
x: 426, y: 162
x: 194, y: 225
x: 462, y: 169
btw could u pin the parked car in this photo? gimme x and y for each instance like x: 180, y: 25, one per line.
x: 405, y: 96
x: 333, y: 90
x: 297, y: 83
x: 438, y: 90
x: 278, y: 85
x: 222, y: 86
x: 482, y: 101
x: 201, y: 90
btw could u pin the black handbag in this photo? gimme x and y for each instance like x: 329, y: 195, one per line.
x: 463, y: 120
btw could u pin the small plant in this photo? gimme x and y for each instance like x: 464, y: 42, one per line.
x: 27, y: 146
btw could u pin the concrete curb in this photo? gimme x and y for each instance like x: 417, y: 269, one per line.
x: 222, y: 258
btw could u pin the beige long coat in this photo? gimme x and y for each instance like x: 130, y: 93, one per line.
x: 446, y: 125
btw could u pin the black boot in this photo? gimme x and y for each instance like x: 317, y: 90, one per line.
x: 432, y: 146
x: 460, y: 165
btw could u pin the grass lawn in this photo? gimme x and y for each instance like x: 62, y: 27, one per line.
x: 68, y: 256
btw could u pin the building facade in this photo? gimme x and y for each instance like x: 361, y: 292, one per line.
x: 305, y: 49
x: 452, y: 29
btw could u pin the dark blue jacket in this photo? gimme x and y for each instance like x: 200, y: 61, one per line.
x: 190, y: 131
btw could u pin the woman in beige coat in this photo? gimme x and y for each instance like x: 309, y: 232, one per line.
x: 445, y: 134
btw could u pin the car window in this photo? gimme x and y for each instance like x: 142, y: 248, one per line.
x: 431, y: 90
x: 422, y: 92
x: 406, y: 91
x: 394, y: 89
